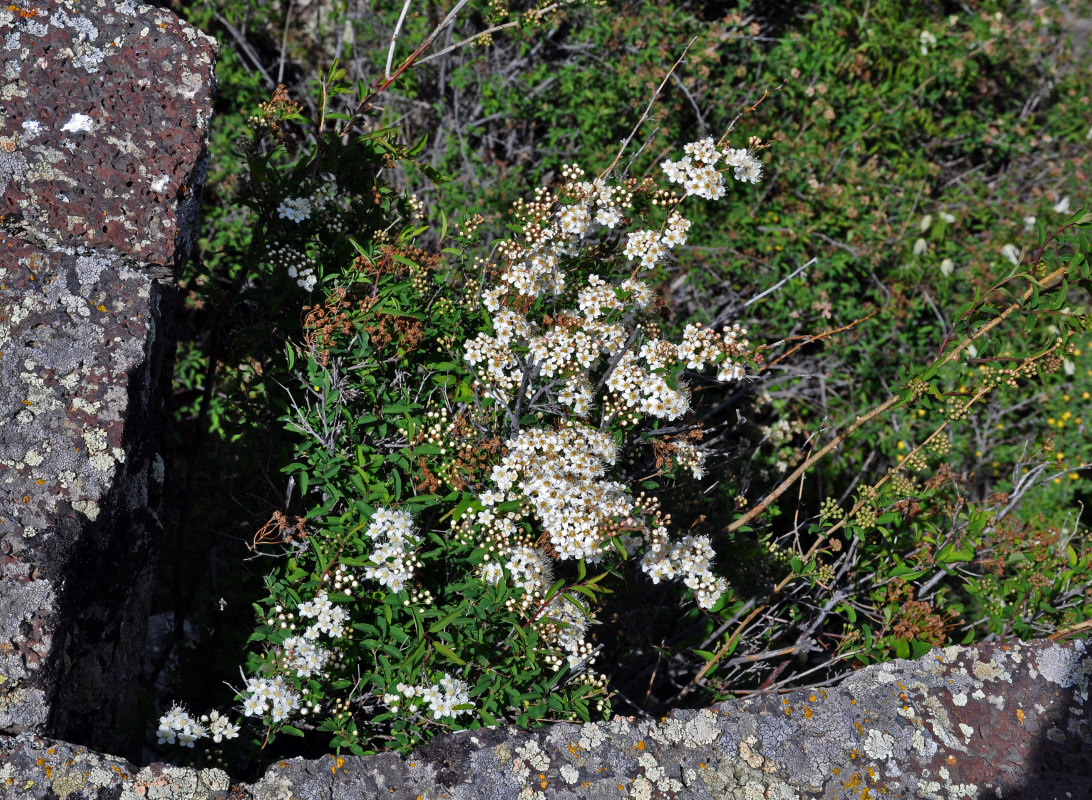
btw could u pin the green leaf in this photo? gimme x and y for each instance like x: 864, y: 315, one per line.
x: 440, y: 624
x: 447, y: 651
x: 950, y: 554
x: 488, y: 718
x: 292, y: 731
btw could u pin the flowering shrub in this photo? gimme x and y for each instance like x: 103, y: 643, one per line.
x: 383, y: 626
x: 506, y: 458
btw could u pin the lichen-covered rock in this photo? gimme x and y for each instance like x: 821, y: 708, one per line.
x: 103, y: 124
x: 105, y: 118
x: 993, y: 721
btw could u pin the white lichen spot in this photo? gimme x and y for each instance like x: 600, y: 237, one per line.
x: 31, y: 128
x: 86, y: 406
x: 95, y: 440
x: 75, y: 306
x: 669, y: 786
x: 534, y: 755
x: 754, y: 791
x: 160, y: 183
x: 1058, y: 665
x: 990, y: 671
x: 781, y: 791
x: 29, y: 532
x: 33, y: 458
x: 569, y: 774
x: 591, y: 737
x: 978, y: 694
x: 702, y: 730
x: 118, y: 454
x: 88, y: 268
x: 102, y: 463
x: 879, y: 745
x: 959, y: 699
x: 89, y: 508
x: 968, y: 731
x: 641, y: 789
x: 78, y: 123
x: 653, y: 771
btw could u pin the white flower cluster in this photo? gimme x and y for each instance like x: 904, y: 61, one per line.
x: 528, y: 567
x: 296, y: 209
x: 272, y: 696
x: 698, y: 174
x: 441, y: 697
x: 559, y: 472
x: 651, y: 246
x: 393, y: 556
x: 304, y: 656
x: 329, y: 619
x: 178, y: 727
x: 690, y: 558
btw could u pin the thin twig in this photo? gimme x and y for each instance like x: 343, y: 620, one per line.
x: 722, y: 317
x: 394, y: 39
x: 490, y: 31
x: 648, y: 108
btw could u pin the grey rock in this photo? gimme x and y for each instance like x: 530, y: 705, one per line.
x: 103, y: 139
x: 992, y: 721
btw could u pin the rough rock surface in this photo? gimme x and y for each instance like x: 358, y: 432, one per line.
x: 104, y: 111
x: 994, y: 721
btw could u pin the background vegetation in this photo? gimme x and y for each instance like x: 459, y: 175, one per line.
x: 921, y: 157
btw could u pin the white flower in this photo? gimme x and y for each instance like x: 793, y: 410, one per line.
x: 926, y: 221
x: 296, y: 209
x: 926, y: 40
x: 1010, y: 253
x: 1062, y: 206
x: 920, y: 246
x: 1029, y: 223
x: 947, y: 267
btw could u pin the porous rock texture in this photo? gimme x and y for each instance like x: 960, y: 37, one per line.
x: 993, y: 721
x: 104, y: 110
